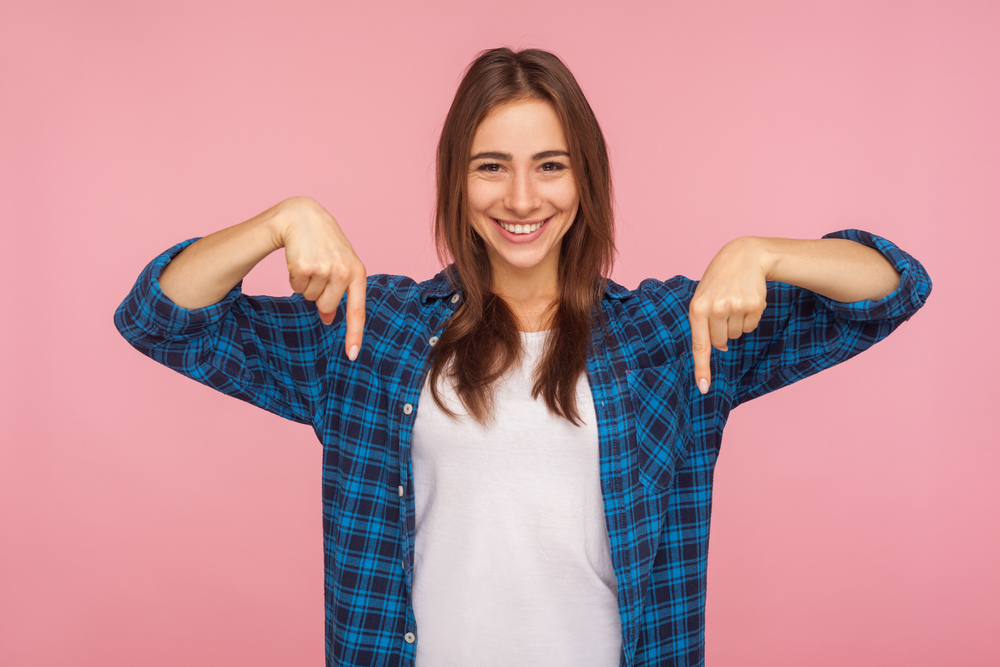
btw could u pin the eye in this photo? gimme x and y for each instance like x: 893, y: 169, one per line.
x: 553, y: 166
x: 491, y: 167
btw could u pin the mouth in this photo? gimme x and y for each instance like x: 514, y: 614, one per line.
x: 521, y: 232
x: 520, y: 228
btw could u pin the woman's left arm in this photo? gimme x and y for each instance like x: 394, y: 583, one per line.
x: 732, y: 295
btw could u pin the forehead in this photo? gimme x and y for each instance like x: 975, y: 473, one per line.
x: 531, y: 125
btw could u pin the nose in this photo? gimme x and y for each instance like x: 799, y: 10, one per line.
x: 522, y: 194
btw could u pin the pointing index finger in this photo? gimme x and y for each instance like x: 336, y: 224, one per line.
x: 701, y: 348
x: 355, y: 315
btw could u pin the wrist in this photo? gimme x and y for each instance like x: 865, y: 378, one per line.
x: 283, y: 217
x: 761, y: 252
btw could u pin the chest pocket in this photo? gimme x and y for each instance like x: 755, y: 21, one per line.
x: 662, y: 428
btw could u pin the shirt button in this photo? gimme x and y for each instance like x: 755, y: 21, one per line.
x: 401, y: 492
x: 433, y: 341
x: 454, y: 299
x: 410, y: 637
x: 407, y: 409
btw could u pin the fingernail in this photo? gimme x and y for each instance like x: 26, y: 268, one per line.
x: 352, y: 354
x: 703, y: 386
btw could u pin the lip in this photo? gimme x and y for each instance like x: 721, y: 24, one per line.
x: 521, y: 238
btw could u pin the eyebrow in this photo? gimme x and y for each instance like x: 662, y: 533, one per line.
x: 495, y: 155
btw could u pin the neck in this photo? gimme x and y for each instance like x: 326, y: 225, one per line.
x: 530, y: 297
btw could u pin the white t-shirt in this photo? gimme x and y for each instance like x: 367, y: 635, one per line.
x: 512, y: 561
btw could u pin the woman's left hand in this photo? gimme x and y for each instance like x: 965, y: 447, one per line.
x: 732, y: 294
x: 727, y: 303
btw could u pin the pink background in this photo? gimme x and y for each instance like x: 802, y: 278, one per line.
x: 147, y: 520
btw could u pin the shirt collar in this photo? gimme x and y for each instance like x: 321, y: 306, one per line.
x: 442, y: 285
x: 613, y: 290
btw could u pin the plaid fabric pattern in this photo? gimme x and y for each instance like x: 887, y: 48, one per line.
x: 659, y: 437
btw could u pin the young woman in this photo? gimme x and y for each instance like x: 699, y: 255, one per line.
x: 518, y: 453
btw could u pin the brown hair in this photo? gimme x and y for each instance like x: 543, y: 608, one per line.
x: 482, y: 339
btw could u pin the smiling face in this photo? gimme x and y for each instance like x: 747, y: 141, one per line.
x: 522, y: 196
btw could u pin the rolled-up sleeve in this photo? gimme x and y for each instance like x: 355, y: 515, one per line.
x: 802, y: 333
x: 269, y: 351
x: 147, y: 314
x: 914, y: 283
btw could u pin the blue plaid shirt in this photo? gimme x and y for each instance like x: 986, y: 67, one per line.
x: 659, y: 437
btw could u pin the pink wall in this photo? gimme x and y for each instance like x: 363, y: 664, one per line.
x: 146, y: 520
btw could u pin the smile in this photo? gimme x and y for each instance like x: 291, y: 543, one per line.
x: 519, y: 228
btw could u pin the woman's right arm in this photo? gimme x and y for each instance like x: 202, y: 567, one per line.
x: 322, y: 265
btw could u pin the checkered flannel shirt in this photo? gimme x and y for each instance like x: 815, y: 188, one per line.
x: 659, y: 437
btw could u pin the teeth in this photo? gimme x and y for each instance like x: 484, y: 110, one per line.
x: 521, y: 229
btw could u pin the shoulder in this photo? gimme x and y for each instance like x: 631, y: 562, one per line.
x: 395, y: 304
x: 383, y: 285
x: 653, y: 316
x: 653, y: 298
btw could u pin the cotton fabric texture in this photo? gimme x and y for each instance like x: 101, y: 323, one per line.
x: 658, y: 436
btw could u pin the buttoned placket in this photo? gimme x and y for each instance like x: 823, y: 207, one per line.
x: 607, y: 365
x: 411, y: 386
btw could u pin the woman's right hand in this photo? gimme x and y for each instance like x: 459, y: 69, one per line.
x: 322, y: 265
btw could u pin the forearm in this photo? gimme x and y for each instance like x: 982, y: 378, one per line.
x: 839, y: 269
x: 209, y: 268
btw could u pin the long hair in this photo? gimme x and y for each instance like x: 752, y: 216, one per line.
x: 482, y: 342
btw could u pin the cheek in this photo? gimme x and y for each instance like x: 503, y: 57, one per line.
x: 568, y: 199
x: 563, y: 192
x: 477, y: 202
x: 479, y: 196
